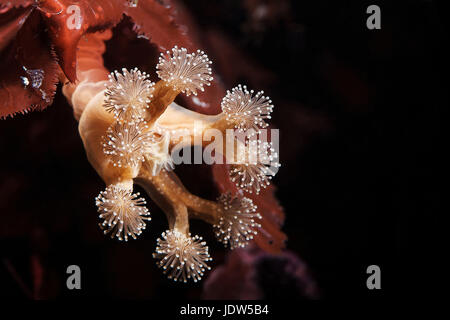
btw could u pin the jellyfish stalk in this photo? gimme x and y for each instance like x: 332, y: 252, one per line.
x: 125, y: 122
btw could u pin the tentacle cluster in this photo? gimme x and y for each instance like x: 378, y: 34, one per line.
x: 123, y: 213
x: 137, y: 139
x: 126, y: 143
x: 182, y: 257
x: 128, y: 94
x: 186, y: 72
x: 237, y: 224
x: 255, y: 167
x: 129, y: 141
x: 246, y: 110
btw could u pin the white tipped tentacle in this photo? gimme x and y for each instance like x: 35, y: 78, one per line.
x: 238, y: 221
x: 246, y: 110
x: 126, y: 143
x: 181, y: 256
x: 256, y: 166
x: 128, y: 94
x: 123, y: 213
x: 186, y: 72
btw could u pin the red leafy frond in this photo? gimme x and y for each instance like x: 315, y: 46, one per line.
x: 7, y: 5
x: 10, y: 23
x: 157, y: 22
x: 29, y: 72
x: 68, y: 22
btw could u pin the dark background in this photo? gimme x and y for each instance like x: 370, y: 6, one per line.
x: 361, y: 119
